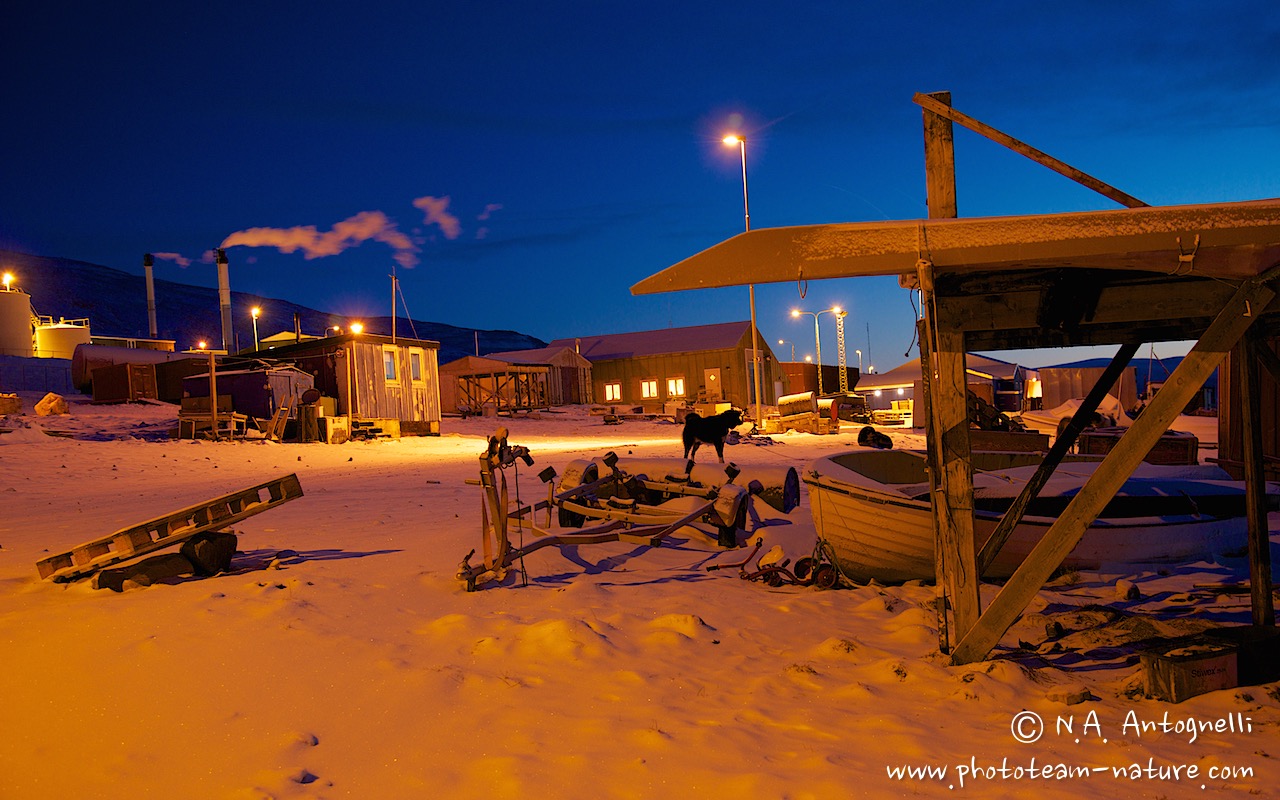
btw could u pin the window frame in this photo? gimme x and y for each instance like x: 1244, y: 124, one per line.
x: 393, y: 362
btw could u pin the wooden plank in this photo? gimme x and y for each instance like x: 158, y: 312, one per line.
x: 932, y: 460
x: 1013, y: 515
x: 1248, y: 373
x: 931, y: 102
x: 1065, y: 533
x: 1267, y: 357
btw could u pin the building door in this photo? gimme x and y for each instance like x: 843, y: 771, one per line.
x: 711, y: 380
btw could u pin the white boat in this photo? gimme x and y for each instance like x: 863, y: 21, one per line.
x: 873, y: 507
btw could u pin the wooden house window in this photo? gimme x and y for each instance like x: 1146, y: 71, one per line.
x: 389, y: 371
x: 612, y: 392
x: 675, y: 387
x: 416, y: 373
x: 649, y: 388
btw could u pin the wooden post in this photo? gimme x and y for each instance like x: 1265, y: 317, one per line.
x: 1062, y: 537
x: 1013, y: 515
x: 953, y: 501
x: 933, y: 461
x: 213, y: 398
x: 1247, y: 371
x: 947, y: 434
x: 940, y: 160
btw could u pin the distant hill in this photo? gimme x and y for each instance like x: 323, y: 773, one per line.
x: 1158, y: 368
x: 115, y: 303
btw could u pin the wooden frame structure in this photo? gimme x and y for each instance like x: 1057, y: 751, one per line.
x: 1123, y: 277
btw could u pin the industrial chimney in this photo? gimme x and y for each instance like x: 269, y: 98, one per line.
x: 224, y: 299
x: 147, y: 263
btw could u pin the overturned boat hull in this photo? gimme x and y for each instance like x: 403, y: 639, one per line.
x: 873, y: 507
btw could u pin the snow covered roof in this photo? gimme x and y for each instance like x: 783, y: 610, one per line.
x: 695, y: 339
x: 1230, y: 240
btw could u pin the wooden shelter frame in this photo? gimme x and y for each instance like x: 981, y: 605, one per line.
x: 1139, y: 274
x: 518, y: 387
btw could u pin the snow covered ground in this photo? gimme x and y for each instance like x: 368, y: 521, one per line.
x: 356, y: 666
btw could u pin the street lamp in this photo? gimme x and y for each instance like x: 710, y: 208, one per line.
x: 8, y: 279
x: 817, y: 334
x: 729, y: 141
x: 255, y: 312
x: 357, y: 327
x: 793, y: 348
x: 859, y: 352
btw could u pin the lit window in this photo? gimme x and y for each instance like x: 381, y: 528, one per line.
x: 415, y: 365
x: 675, y: 387
x: 612, y: 392
x: 389, y: 364
x: 649, y: 389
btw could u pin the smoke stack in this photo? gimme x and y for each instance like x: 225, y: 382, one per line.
x: 224, y: 299
x: 297, y: 327
x: 147, y: 264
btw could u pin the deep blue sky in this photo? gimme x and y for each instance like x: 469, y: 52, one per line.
x: 578, y: 143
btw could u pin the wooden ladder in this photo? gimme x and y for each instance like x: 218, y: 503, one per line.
x: 275, y: 427
x: 168, y: 530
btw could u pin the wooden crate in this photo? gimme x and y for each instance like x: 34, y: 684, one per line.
x: 1179, y: 670
x: 1174, y: 447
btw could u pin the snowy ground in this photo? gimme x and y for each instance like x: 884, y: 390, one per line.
x: 358, y: 666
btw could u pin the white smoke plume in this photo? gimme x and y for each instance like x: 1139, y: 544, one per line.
x: 436, y: 211
x: 315, y: 243
x: 176, y: 258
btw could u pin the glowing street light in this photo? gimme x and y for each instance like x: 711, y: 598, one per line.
x: 8, y: 279
x: 793, y: 348
x: 202, y: 344
x: 817, y: 334
x: 357, y: 327
x: 730, y: 140
x: 859, y: 352
x: 255, y: 312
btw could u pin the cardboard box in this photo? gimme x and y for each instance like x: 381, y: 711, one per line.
x: 1183, y: 669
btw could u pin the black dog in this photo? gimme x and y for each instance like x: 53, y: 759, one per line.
x: 700, y: 430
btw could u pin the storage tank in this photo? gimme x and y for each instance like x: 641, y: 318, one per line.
x: 15, y: 323
x: 60, y: 339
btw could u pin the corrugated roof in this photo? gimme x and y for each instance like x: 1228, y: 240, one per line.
x: 695, y: 339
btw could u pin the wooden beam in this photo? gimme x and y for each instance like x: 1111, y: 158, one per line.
x: 930, y: 103
x: 1064, y: 441
x: 1062, y: 537
x: 1247, y: 370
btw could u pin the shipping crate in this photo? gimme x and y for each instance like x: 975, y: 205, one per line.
x: 1186, y: 668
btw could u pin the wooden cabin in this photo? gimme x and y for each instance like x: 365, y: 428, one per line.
x: 569, y: 376
x: 374, y: 378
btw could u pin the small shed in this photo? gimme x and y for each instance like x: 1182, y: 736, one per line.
x: 256, y: 392
x: 1001, y: 383
x: 373, y: 377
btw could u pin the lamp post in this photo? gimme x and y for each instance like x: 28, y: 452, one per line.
x: 793, y: 348
x: 730, y: 141
x: 255, y: 312
x: 859, y: 352
x: 817, y: 334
